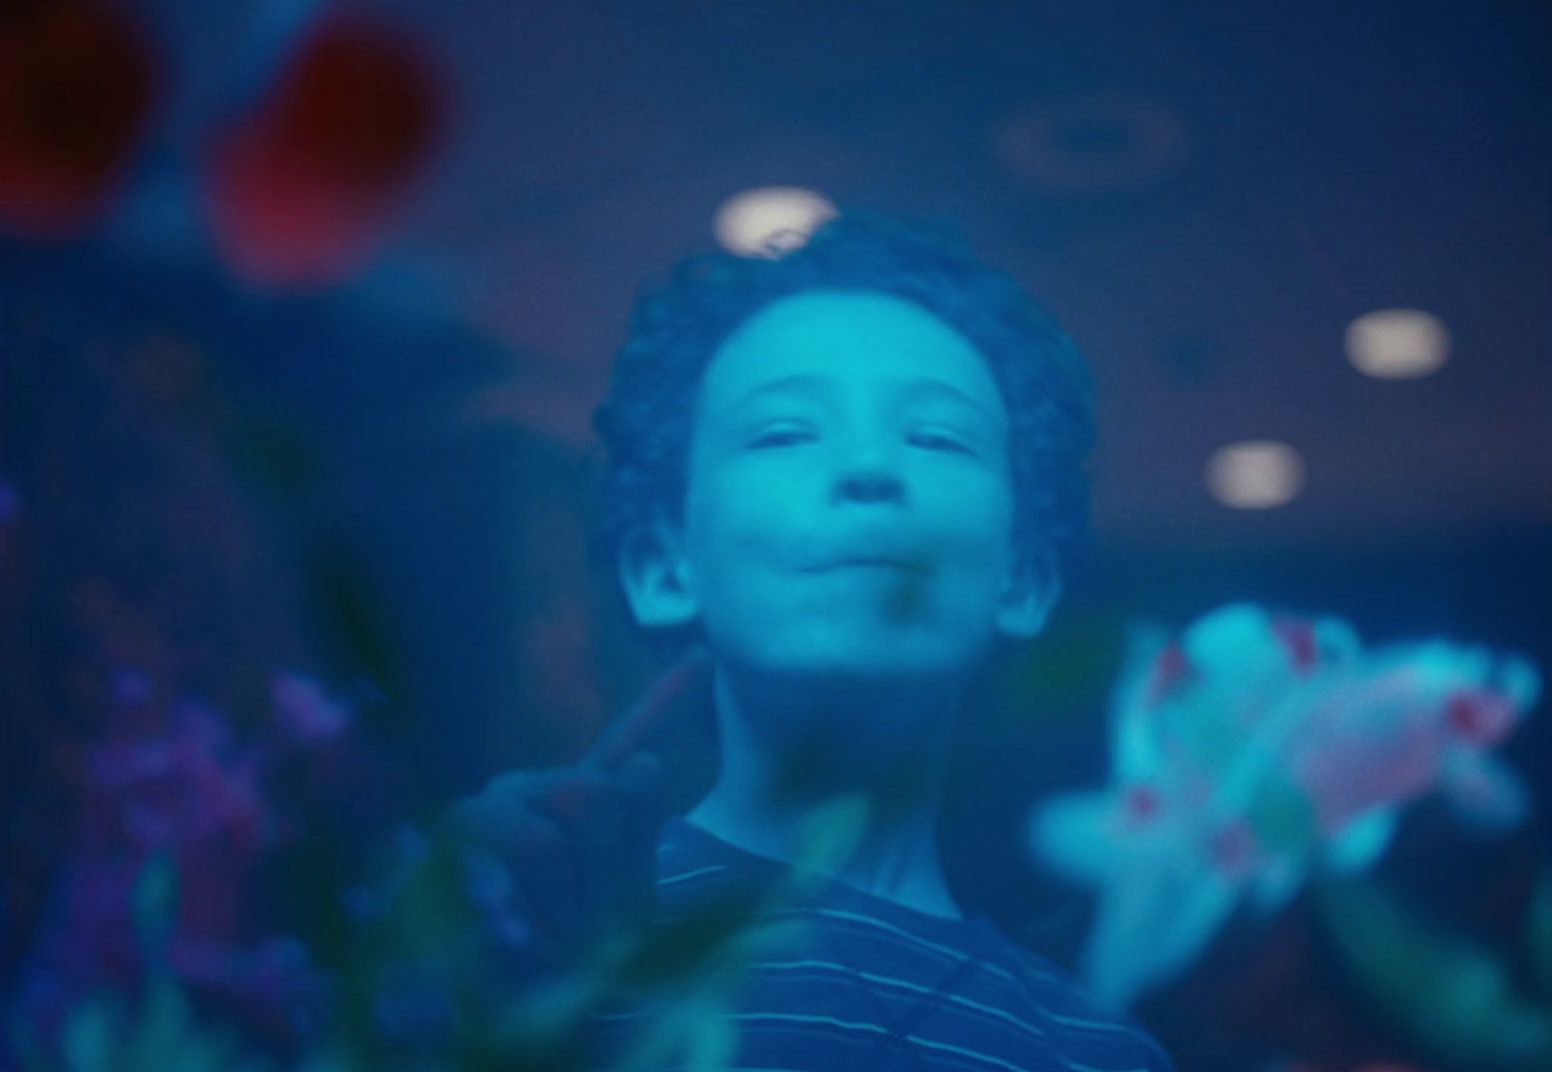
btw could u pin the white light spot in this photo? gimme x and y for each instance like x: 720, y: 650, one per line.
x: 771, y: 220
x: 1397, y: 344
x: 1255, y: 474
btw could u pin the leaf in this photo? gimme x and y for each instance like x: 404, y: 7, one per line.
x: 25, y: 1045
x: 1150, y: 924
x: 1538, y: 934
x: 1360, y: 844
x: 680, y: 951
x: 165, y: 1036
x: 551, y: 1009
x: 272, y: 452
x: 830, y: 835
x: 713, y: 1040
x: 697, y: 1025
x: 89, y: 1035
x: 328, y: 1058
x: 155, y: 903
x: 1452, y: 995
x: 355, y: 617
x: 1074, y: 834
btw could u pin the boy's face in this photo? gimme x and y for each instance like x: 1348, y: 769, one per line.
x: 849, y: 508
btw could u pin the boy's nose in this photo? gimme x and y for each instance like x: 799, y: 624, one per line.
x: 870, y: 485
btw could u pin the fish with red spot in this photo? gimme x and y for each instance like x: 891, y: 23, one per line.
x: 1257, y: 747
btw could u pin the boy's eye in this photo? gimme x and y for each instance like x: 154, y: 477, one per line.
x: 787, y: 436
x: 941, y: 442
x: 779, y: 438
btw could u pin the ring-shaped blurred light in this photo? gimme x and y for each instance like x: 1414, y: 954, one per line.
x: 770, y: 220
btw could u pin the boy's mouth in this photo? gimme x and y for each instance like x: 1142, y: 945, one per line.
x: 871, y: 561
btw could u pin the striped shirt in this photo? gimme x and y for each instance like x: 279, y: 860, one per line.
x: 833, y: 978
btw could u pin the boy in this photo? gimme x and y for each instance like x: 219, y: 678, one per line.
x: 840, y: 484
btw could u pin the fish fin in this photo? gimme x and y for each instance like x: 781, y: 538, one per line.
x: 1360, y: 844
x: 1075, y: 834
x: 1485, y: 794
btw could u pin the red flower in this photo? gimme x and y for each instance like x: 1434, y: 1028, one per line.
x: 300, y: 191
x: 76, y: 87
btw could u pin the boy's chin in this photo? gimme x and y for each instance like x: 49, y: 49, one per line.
x: 875, y: 665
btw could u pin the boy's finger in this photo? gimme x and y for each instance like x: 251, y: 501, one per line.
x: 641, y: 787
x: 681, y: 691
x: 488, y: 817
x: 543, y: 869
x: 589, y: 811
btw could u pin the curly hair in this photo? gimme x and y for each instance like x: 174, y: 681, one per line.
x: 647, y: 420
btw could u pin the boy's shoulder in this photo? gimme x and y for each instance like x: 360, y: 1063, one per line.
x: 1074, y: 1013
x: 696, y: 870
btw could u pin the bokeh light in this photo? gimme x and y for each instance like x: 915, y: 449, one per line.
x: 1255, y: 474
x: 770, y: 220
x: 1397, y: 344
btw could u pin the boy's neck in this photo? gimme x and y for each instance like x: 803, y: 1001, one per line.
x: 902, y: 866
x: 755, y: 806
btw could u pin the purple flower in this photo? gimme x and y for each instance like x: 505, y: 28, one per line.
x: 274, y: 985
x: 171, y: 791
x: 131, y: 687
x: 176, y: 789
x: 305, y: 714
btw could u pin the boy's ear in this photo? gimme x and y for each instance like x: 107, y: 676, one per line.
x: 655, y: 577
x: 1028, y: 597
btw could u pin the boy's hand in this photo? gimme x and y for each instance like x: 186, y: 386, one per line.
x: 563, y: 858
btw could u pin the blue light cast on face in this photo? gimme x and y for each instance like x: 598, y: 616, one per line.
x: 849, y: 508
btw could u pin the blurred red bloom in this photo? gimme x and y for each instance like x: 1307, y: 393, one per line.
x: 301, y: 190
x: 77, y: 82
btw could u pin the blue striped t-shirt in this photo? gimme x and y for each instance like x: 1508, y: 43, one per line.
x: 833, y: 979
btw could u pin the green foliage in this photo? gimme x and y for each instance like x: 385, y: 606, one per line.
x: 676, y: 953
x: 354, y: 617
x: 270, y: 450
x: 155, y: 904
x: 1538, y: 934
x: 1453, y: 996
x: 159, y: 1033
x: 1064, y: 676
x: 695, y: 1033
x: 831, y: 833
x: 681, y: 973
